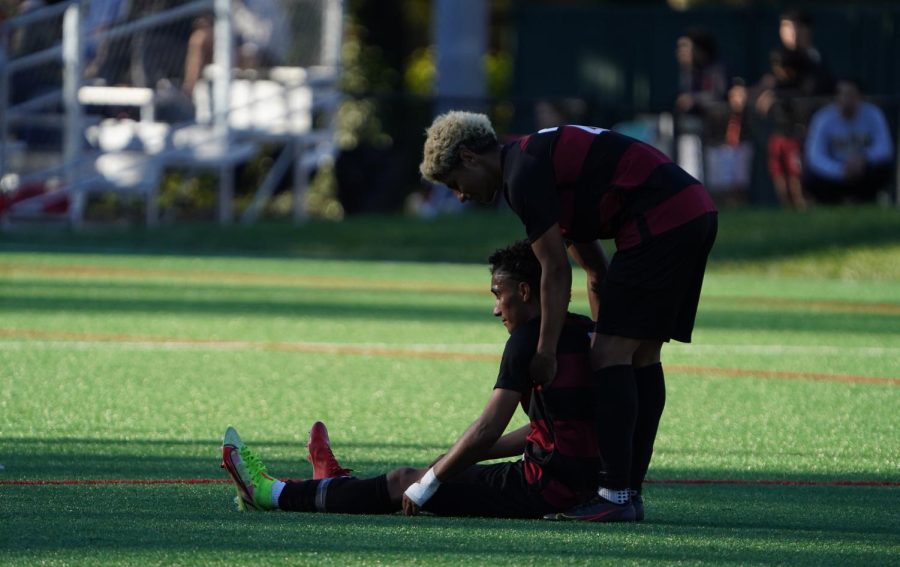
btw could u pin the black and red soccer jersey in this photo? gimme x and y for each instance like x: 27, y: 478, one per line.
x: 561, y: 456
x: 598, y: 184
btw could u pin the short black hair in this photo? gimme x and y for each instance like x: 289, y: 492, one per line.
x: 517, y: 261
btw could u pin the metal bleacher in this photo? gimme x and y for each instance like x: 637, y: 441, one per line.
x: 287, y: 106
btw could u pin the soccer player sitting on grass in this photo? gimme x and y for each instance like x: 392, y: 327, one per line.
x: 572, y: 186
x: 558, y: 448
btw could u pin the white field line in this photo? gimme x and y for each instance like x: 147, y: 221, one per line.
x: 469, y: 348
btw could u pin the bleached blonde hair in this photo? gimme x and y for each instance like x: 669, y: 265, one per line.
x: 444, y: 137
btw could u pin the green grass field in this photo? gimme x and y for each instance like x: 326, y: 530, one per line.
x: 124, y: 354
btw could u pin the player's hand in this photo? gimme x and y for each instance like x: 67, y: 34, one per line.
x: 409, y: 507
x: 543, y: 368
x: 418, y: 493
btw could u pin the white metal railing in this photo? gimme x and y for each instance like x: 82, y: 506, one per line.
x: 74, y: 95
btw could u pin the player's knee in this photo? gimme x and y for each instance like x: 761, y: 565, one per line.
x: 611, y: 350
x: 648, y: 353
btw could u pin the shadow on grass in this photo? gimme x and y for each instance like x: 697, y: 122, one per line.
x: 736, y: 524
x: 178, y: 459
x: 744, y: 235
x: 760, y: 234
x: 792, y: 321
x: 720, y: 523
x: 211, y: 301
x: 298, y: 307
x: 90, y: 458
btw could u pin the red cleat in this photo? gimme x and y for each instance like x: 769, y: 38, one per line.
x: 320, y: 455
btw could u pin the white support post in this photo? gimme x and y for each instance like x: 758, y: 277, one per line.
x: 332, y: 33
x: 72, y: 141
x: 222, y: 60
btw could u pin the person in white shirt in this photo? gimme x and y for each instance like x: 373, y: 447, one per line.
x: 849, y: 152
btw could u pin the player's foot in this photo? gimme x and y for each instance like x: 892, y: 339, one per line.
x: 324, y: 463
x: 253, y: 483
x: 598, y: 509
x: 638, y: 502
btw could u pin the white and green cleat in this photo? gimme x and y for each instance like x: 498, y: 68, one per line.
x: 253, y: 483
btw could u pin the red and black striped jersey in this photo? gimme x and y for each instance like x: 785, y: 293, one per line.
x: 598, y: 184
x: 562, y: 459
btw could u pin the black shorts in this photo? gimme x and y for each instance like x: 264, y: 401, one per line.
x: 489, y: 491
x: 652, y: 291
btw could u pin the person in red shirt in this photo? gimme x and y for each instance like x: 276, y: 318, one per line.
x: 572, y: 186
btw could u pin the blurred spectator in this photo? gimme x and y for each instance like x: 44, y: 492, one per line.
x: 785, y: 98
x: 796, y: 33
x: 729, y: 152
x: 158, y: 53
x: 107, y: 61
x: 261, y: 39
x: 849, y: 152
x: 701, y: 78
x: 779, y: 104
x: 701, y: 89
x: 199, y: 52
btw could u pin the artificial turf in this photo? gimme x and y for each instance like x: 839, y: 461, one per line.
x: 129, y: 366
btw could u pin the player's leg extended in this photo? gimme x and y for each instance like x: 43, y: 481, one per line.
x: 255, y: 488
x: 333, y: 490
x: 258, y: 490
x: 340, y: 495
x: 350, y: 495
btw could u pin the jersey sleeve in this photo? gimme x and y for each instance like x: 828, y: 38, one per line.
x: 514, y: 367
x: 533, y: 196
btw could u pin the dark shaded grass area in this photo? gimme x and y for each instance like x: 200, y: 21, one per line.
x: 83, y: 458
x: 744, y: 235
x: 739, y: 524
x: 318, y: 304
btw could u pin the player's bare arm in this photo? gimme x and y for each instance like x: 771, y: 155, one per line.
x: 591, y: 257
x: 556, y: 289
x: 510, y: 445
x: 475, y: 442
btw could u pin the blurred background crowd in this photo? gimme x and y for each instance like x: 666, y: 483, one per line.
x: 768, y: 103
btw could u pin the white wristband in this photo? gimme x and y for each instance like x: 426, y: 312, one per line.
x: 420, y: 492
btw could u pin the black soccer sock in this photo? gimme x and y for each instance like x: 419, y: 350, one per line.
x: 617, y: 409
x: 651, y: 394
x: 340, y: 495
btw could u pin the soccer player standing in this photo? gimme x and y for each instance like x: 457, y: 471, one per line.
x: 572, y: 186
